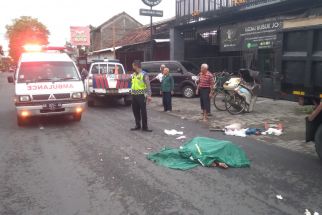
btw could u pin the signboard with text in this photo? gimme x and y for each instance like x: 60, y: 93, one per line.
x: 147, y: 12
x: 80, y: 36
x: 250, y: 35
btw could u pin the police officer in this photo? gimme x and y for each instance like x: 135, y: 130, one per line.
x: 141, y: 94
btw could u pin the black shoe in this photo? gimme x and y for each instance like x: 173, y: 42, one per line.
x: 136, y: 128
x: 146, y: 130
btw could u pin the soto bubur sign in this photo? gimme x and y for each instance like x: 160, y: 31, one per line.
x: 250, y: 35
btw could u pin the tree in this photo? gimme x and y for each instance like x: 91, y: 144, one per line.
x: 25, y: 30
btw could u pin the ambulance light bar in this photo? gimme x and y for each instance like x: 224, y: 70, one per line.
x: 41, y: 48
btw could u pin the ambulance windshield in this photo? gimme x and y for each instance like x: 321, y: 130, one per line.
x: 47, y: 71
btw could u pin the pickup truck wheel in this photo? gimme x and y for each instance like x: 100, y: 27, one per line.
x: 188, y: 91
x: 77, y: 117
x: 318, y: 141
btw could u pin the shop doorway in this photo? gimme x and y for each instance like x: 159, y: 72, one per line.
x: 266, y: 67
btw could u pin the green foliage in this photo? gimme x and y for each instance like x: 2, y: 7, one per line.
x: 25, y: 30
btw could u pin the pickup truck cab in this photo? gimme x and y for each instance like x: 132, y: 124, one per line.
x: 107, y: 79
x: 47, y: 83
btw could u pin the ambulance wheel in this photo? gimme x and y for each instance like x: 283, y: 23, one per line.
x: 318, y: 142
x: 21, y: 121
x: 77, y: 117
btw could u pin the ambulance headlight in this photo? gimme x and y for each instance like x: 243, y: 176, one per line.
x: 24, y: 98
x: 77, y: 95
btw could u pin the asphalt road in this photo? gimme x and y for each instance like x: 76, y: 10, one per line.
x: 97, y: 166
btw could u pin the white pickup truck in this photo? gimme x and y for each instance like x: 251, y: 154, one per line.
x: 107, y: 79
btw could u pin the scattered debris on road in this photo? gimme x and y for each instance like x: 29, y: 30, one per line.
x: 173, y: 132
x: 273, y: 131
x: 181, y: 137
x: 280, y: 197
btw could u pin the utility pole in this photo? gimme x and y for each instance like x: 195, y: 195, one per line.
x: 151, y: 40
x: 114, y: 54
x: 151, y: 13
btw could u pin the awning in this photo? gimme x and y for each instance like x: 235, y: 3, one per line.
x: 107, y: 50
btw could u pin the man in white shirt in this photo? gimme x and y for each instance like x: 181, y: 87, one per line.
x: 160, y: 75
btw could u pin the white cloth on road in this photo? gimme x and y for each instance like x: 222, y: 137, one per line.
x: 181, y: 137
x: 173, y: 132
x: 273, y: 131
x: 236, y: 132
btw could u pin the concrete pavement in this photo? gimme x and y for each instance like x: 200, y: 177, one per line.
x: 279, y: 111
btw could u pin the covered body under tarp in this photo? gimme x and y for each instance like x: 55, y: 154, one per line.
x: 201, y: 151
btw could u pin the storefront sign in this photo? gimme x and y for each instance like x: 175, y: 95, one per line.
x: 250, y: 35
x: 80, y: 36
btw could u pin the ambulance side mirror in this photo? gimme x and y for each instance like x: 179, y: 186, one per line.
x: 10, y: 79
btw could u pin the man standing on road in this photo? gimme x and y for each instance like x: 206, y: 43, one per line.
x: 167, y: 87
x: 205, y: 88
x: 141, y: 94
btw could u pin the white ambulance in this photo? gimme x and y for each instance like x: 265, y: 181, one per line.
x: 47, y: 82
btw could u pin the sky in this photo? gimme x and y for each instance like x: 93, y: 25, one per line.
x: 59, y: 15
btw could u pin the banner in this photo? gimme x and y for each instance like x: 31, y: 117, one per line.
x: 80, y: 36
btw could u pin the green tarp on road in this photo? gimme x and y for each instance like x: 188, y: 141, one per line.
x: 201, y: 151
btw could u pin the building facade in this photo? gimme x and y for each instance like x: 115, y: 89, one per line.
x: 234, y: 34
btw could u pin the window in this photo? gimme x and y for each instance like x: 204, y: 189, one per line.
x: 190, y: 67
x: 115, y: 69
x: 173, y: 68
x: 103, y: 69
x: 95, y: 68
x: 46, y: 71
x: 151, y: 68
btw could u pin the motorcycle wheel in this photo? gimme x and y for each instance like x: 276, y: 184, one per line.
x: 235, y: 104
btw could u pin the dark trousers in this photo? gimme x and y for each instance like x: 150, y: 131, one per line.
x: 205, y: 99
x: 167, y: 101
x: 139, y: 110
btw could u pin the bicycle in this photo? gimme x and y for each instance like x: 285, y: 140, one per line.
x: 221, y: 94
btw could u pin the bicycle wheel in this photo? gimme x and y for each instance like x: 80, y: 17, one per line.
x: 235, y: 104
x: 220, y: 101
